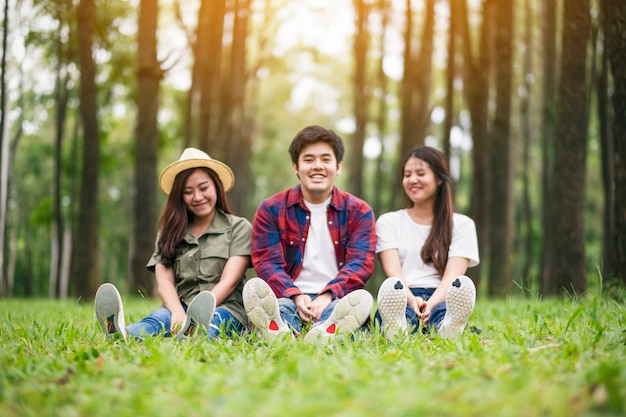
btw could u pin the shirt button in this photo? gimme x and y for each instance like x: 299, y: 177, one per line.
x: 330, y: 222
x: 291, y: 242
x: 303, y: 239
x: 336, y: 243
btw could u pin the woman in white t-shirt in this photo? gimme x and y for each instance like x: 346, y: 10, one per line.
x: 425, y: 250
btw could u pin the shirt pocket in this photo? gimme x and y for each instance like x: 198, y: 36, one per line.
x: 212, y: 261
x: 291, y: 244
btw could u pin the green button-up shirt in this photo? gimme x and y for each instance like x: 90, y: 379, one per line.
x: 199, y: 267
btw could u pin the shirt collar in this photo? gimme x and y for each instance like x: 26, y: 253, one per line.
x: 220, y: 224
x: 295, y: 197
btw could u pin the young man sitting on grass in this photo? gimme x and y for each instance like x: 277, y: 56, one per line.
x: 313, y: 248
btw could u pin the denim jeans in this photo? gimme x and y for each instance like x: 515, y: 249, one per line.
x: 436, y: 315
x: 289, y: 312
x: 159, y: 321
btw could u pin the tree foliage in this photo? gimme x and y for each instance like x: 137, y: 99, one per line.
x: 132, y: 86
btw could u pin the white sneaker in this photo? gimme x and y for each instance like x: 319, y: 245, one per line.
x: 460, y: 301
x: 110, y: 312
x: 199, y: 314
x: 263, y: 311
x: 350, y: 313
x: 392, y: 308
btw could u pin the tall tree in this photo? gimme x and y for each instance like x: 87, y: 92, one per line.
x: 501, y: 156
x: 149, y: 75
x: 208, y: 55
x: 570, y: 269
x: 360, y: 98
x: 524, y: 227
x: 416, y: 83
x: 65, y: 57
x: 4, y: 149
x: 605, y: 120
x: 477, y: 68
x: 548, y: 116
x: 384, y: 8
x: 85, y: 259
x: 234, y: 130
x: 616, y: 23
x: 453, y: 28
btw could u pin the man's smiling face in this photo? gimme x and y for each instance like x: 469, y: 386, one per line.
x: 317, y: 168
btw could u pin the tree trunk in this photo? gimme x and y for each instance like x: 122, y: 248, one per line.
x: 4, y: 151
x: 501, y: 154
x: 617, y: 56
x: 382, y: 167
x: 549, y: 71
x: 570, y: 269
x: 64, y: 57
x: 236, y: 135
x: 209, y: 54
x: 476, y: 81
x: 450, y: 76
x: 360, y: 97
x: 605, y: 117
x: 415, y: 85
x: 149, y: 76
x: 526, y: 238
x: 85, y: 259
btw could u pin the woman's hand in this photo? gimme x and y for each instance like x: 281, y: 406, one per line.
x: 177, y: 320
x: 425, y: 310
x: 413, y: 301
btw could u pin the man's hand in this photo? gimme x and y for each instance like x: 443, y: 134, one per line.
x: 319, y: 305
x: 303, y: 304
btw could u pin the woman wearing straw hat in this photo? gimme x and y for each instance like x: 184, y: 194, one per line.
x: 202, y: 253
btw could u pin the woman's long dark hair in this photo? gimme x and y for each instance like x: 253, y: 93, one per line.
x: 435, y: 249
x: 175, y: 217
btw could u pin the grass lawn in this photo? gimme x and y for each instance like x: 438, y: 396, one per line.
x: 532, y: 358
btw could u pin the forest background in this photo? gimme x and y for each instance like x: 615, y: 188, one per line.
x: 522, y: 95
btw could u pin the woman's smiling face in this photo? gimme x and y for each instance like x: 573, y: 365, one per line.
x: 419, y: 181
x: 199, y: 194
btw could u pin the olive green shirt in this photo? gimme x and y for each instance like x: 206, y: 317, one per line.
x: 201, y: 262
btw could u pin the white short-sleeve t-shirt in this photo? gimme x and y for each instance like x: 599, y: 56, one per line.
x: 320, y: 264
x: 396, y: 230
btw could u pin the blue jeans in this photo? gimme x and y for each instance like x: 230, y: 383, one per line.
x: 436, y: 315
x: 159, y: 321
x: 289, y: 312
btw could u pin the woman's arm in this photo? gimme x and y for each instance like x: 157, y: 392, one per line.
x: 231, y: 275
x: 169, y: 295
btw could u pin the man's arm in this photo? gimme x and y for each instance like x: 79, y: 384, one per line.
x: 268, y: 257
x: 360, y: 253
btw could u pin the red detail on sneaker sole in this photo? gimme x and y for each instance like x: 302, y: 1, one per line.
x: 273, y: 325
x: 110, y: 325
x: 331, y: 329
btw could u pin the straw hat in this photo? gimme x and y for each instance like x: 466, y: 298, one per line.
x: 195, y: 158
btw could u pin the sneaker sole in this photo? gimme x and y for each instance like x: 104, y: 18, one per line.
x: 460, y: 301
x: 199, y: 315
x: 350, y: 313
x: 392, y: 308
x: 262, y: 308
x: 110, y: 311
